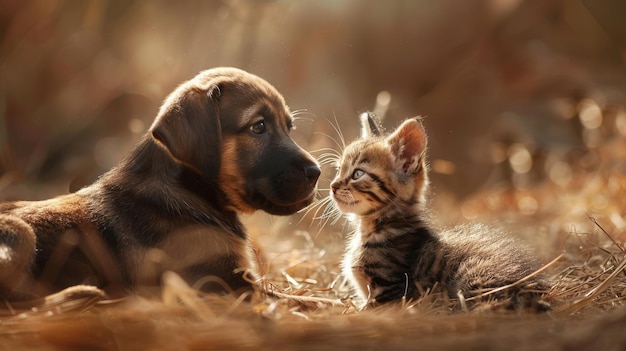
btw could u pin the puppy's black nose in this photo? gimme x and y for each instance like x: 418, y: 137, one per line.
x: 312, y: 172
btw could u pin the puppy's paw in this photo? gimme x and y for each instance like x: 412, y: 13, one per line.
x: 17, y: 246
x: 75, y: 293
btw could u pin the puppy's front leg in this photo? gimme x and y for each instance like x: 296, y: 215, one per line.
x: 207, y: 258
x: 17, y: 248
x: 223, y: 274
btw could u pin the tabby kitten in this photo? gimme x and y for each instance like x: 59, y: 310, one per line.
x: 394, y: 251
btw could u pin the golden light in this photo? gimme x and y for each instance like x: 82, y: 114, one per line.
x: 443, y: 167
x: 620, y: 122
x: 590, y: 114
x: 136, y: 126
x: 528, y: 205
x: 498, y: 152
x: 520, y: 159
x: 560, y: 173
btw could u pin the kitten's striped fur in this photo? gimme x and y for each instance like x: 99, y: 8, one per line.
x: 394, y: 252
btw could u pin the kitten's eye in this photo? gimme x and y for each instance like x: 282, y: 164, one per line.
x: 258, y: 127
x: 357, y: 174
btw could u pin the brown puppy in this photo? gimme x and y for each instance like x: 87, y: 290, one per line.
x: 219, y: 146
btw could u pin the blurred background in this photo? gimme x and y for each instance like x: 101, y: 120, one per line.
x: 514, y: 93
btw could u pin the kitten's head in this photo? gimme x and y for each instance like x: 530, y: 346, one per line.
x: 378, y: 171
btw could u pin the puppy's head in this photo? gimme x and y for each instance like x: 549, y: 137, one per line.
x: 233, y: 128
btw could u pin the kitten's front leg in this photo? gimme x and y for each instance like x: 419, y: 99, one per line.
x: 388, y: 291
x: 361, y: 283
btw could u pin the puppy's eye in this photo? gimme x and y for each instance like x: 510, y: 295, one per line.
x: 258, y: 127
x: 357, y: 174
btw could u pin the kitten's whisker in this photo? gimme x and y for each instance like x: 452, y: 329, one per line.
x: 334, y: 140
x: 330, y: 155
x: 328, y: 212
x: 327, y: 158
x: 320, y: 205
x: 323, y: 203
x: 331, y: 213
x: 339, y: 132
x: 327, y: 162
x: 305, y: 211
x: 330, y: 149
x: 316, y: 204
x: 335, y: 126
x: 325, y: 217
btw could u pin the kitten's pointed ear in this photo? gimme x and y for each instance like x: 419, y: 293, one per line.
x: 408, y: 143
x: 369, y: 126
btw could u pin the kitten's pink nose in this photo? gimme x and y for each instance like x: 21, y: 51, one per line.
x: 334, y: 186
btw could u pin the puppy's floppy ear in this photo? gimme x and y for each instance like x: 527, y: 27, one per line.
x: 188, y: 126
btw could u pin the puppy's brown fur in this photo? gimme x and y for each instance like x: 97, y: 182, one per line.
x: 219, y: 146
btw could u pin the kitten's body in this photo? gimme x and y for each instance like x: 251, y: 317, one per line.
x: 394, y: 251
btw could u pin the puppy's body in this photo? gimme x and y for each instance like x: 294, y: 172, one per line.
x: 220, y: 146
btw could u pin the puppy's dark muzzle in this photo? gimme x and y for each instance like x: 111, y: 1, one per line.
x: 297, y: 183
x: 312, y: 173
x: 288, y: 189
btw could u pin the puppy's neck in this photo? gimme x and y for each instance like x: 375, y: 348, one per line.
x: 150, y: 173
